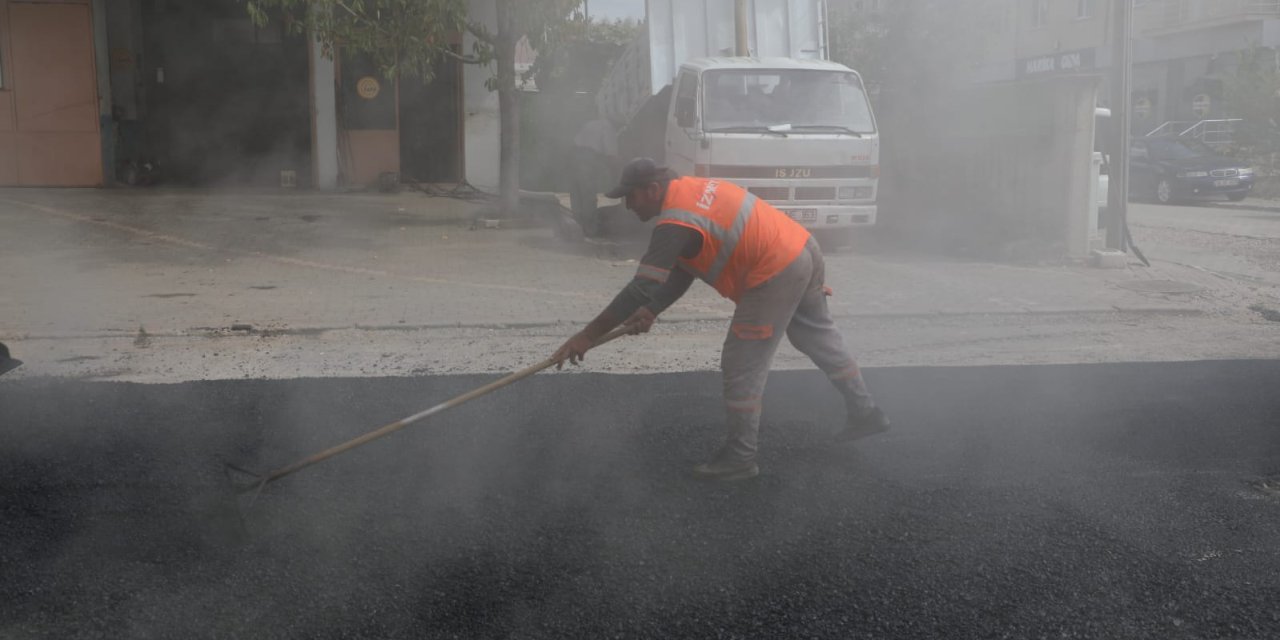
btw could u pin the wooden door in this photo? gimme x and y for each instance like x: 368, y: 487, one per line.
x: 55, y: 95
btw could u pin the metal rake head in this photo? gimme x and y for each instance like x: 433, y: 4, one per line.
x: 245, y: 481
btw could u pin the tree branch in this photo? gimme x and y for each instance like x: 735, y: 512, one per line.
x: 349, y: 10
x: 480, y: 32
x: 362, y: 17
x: 461, y: 58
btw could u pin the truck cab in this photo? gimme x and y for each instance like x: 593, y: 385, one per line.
x: 799, y: 134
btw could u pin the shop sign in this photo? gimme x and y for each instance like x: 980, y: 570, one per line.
x: 368, y: 87
x: 1057, y: 63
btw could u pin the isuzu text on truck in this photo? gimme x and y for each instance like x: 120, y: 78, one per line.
x: 791, y: 127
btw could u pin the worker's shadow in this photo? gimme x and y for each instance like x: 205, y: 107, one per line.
x: 679, y: 430
x: 689, y: 422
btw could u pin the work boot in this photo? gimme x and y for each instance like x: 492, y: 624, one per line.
x: 865, y: 423
x: 727, y: 468
x: 7, y: 363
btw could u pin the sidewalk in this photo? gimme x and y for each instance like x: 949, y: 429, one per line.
x: 130, y: 268
x: 1269, y: 205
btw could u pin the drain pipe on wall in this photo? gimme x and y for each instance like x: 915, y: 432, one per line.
x: 1118, y: 190
x: 1122, y: 64
x: 824, y: 35
x: 741, y: 45
x: 106, y: 119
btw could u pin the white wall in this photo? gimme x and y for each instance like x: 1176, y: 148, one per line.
x: 324, y: 120
x: 481, y: 105
x: 1005, y: 164
x: 102, y: 60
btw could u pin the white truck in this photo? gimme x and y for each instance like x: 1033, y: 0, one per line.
x: 785, y: 123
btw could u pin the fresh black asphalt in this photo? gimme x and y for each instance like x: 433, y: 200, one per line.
x: 1093, y: 501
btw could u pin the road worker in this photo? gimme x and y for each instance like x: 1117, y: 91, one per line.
x: 754, y: 255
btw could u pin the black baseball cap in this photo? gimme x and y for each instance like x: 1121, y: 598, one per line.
x: 638, y: 173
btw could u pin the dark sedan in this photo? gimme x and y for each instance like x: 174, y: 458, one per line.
x: 1172, y: 169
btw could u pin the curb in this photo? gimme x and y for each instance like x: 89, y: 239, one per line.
x: 1275, y: 208
x: 1064, y: 311
x: 208, y: 332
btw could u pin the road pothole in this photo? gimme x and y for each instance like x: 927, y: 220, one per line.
x: 1267, y: 312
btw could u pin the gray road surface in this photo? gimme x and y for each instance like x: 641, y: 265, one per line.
x: 1104, y: 501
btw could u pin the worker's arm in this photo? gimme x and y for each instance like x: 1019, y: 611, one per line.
x: 642, y: 319
x: 674, y: 289
x: 658, y: 283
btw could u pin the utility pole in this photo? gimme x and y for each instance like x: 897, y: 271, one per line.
x: 1121, y: 92
x: 740, y: 32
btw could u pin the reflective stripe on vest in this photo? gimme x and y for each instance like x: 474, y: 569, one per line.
x: 650, y: 272
x: 746, y: 241
x: 728, y: 239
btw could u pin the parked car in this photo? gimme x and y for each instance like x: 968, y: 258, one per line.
x: 1173, y: 169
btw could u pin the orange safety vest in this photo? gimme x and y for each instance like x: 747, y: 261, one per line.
x: 745, y: 241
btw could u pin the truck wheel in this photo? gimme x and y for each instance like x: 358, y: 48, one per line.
x: 835, y: 240
x: 1164, y: 192
x: 583, y: 194
x: 583, y: 202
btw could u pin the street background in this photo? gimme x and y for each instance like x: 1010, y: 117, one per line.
x: 189, y: 285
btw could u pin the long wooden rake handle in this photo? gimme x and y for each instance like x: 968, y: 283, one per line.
x: 261, y: 481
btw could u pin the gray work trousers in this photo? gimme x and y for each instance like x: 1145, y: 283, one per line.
x: 794, y: 300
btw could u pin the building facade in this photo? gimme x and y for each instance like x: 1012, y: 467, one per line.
x: 1182, y: 49
x: 97, y: 92
x: 1028, y: 39
x: 51, y: 87
x: 1185, y: 49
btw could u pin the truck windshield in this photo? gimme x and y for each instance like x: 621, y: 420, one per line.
x: 807, y: 100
